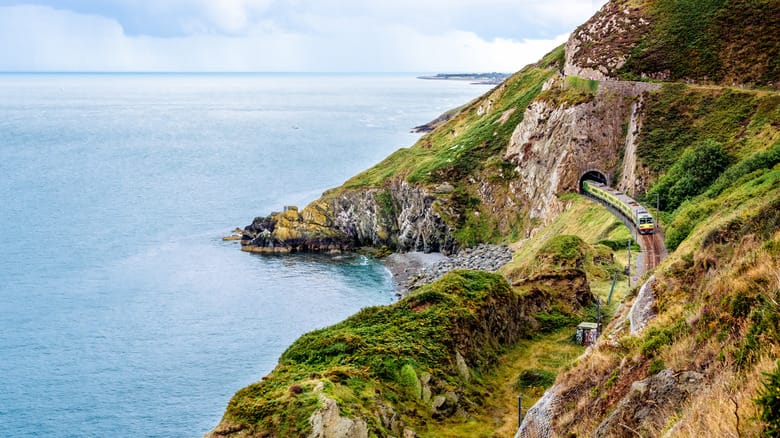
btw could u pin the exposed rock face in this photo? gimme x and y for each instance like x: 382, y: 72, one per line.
x: 640, y: 409
x: 400, y: 216
x: 555, y: 145
x: 327, y: 422
x: 632, y: 178
x: 642, y: 311
x: 598, y: 48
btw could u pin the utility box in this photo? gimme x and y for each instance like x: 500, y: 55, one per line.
x: 587, y: 332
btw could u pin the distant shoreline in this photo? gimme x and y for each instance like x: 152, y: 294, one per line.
x: 493, y: 78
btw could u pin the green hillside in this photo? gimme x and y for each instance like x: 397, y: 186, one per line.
x: 449, y: 359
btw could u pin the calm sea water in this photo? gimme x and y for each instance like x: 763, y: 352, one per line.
x: 122, y: 313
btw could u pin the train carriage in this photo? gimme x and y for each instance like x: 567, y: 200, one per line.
x: 639, y: 215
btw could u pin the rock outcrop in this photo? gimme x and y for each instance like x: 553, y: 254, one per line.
x: 598, y: 48
x: 642, y: 311
x: 326, y: 422
x: 400, y: 217
x: 557, y: 143
x: 640, y: 409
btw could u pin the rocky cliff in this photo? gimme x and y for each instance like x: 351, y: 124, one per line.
x: 399, y: 216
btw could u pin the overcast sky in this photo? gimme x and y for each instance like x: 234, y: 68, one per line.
x: 283, y: 35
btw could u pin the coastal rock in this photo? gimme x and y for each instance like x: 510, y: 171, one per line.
x: 483, y: 257
x: 327, y: 422
x: 399, y: 217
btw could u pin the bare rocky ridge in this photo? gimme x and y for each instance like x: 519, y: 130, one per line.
x: 598, y: 48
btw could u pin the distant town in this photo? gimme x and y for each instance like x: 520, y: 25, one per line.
x: 475, y: 78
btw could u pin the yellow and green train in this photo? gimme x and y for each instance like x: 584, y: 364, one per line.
x: 629, y: 207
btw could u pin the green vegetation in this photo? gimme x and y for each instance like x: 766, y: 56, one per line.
x: 570, y: 91
x: 463, y: 144
x: 691, y: 174
x: 579, y: 230
x: 554, y: 60
x: 535, y: 377
x: 769, y: 402
x: 692, y: 135
x: 710, y: 40
x: 760, y: 184
x: 656, y: 366
x: 657, y: 337
x: 378, y: 357
x: 678, y: 116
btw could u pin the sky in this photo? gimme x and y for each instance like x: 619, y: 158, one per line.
x: 284, y: 35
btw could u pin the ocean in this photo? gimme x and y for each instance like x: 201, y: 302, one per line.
x: 122, y: 312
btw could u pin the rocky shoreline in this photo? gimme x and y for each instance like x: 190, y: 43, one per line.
x: 415, y: 269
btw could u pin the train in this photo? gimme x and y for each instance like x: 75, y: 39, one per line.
x: 639, y: 215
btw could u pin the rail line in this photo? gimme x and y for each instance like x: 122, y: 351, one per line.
x: 652, y: 244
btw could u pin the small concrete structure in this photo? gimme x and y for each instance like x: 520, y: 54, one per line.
x: 587, y: 332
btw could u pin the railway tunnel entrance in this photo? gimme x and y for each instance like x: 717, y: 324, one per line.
x: 593, y: 175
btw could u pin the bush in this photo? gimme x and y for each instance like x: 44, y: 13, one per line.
x: 693, y: 173
x: 769, y: 402
x: 656, y: 366
x: 535, y: 378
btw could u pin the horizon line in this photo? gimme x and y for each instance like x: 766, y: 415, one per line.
x: 171, y: 72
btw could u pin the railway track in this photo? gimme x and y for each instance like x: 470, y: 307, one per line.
x: 653, y: 247
x: 652, y: 244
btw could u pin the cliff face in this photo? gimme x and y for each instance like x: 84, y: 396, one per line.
x: 400, y: 216
x: 558, y: 142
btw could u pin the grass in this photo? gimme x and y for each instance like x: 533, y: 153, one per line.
x: 570, y: 91
x: 379, y: 357
x: 717, y: 298
x: 679, y: 116
x: 548, y: 353
x: 698, y: 39
x: 589, y: 223
x: 464, y: 143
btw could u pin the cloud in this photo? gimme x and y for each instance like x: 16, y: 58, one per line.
x: 275, y: 35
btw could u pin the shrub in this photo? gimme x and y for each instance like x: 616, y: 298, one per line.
x: 656, y: 366
x: 769, y: 402
x: 534, y: 378
x: 696, y: 169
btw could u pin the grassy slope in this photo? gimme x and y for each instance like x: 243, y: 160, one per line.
x: 547, y: 352
x: 679, y: 119
x: 718, y: 291
x: 721, y: 41
x: 718, y: 314
x: 463, y: 144
x: 386, y: 350
x: 378, y: 357
x: 368, y: 352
